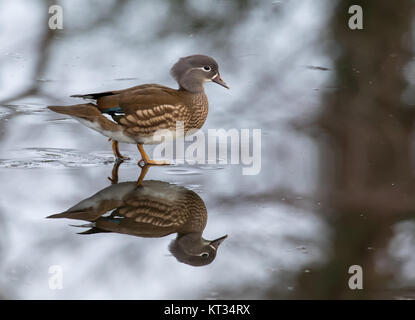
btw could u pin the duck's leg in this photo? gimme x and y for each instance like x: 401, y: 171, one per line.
x: 146, y: 160
x: 142, y: 175
x: 117, y: 152
x: 114, y: 175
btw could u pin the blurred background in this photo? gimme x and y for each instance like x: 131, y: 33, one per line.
x: 336, y: 110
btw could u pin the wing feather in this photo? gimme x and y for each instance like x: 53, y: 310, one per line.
x: 145, y: 108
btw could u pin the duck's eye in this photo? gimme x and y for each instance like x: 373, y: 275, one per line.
x: 204, y: 255
x: 206, y: 68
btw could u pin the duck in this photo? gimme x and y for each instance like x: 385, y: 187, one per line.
x: 150, y: 209
x: 135, y: 115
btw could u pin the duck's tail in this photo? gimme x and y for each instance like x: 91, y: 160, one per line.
x: 89, y: 112
x: 83, y: 111
x: 86, y: 215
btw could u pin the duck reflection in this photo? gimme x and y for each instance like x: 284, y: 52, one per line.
x: 150, y: 209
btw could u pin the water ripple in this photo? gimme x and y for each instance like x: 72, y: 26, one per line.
x: 183, y: 171
x: 55, y: 157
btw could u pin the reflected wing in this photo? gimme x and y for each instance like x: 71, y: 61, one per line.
x: 144, y: 217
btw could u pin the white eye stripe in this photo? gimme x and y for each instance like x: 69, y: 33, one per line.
x: 213, y: 247
x: 203, y: 68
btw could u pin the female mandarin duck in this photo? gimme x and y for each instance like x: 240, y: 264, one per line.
x: 155, y: 209
x: 140, y: 111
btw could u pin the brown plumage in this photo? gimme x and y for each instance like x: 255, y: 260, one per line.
x: 139, y: 112
x: 155, y: 209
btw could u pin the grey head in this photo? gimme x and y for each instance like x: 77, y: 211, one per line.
x: 193, y: 71
x: 193, y: 250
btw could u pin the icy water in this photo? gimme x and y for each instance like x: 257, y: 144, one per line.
x: 265, y: 239
x: 285, y: 237
x: 49, y: 171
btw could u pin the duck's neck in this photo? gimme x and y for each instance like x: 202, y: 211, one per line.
x: 200, y: 109
x: 191, y: 84
x: 193, y: 88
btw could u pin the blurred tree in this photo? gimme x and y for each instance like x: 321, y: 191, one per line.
x: 366, y: 137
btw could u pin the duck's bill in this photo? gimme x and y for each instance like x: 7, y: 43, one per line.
x: 218, y: 79
x: 215, y: 243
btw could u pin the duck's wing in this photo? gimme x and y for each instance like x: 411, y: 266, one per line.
x: 144, y: 111
x: 145, y: 216
x: 155, y: 210
x: 109, y: 101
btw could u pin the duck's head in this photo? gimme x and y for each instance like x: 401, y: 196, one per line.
x: 194, y: 250
x: 193, y: 71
